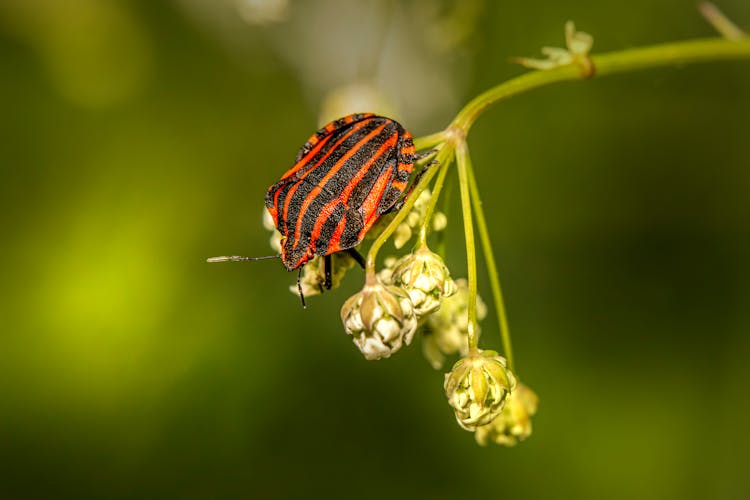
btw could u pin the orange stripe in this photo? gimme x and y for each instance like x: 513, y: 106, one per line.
x: 370, y: 205
x: 329, y: 207
x: 334, y: 246
x: 336, y: 167
x: 399, y: 185
x: 319, y: 143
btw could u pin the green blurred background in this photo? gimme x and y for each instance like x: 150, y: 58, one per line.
x: 138, y: 138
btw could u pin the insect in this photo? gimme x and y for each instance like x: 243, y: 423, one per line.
x: 347, y: 175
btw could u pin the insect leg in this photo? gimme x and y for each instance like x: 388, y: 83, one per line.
x: 299, y: 288
x: 327, y: 270
x: 356, y: 256
x: 424, y: 155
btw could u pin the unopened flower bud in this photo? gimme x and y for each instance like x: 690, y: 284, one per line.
x: 477, y: 388
x: 426, y: 279
x: 514, y: 423
x: 380, y: 319
x: 385, y: 275
x: 401, y: 235
x: 439, y: 221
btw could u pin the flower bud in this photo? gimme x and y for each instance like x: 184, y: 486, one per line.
x: 439, y: 222
x: 477, y: 388
x: 380, y: 319
x: 514, y: 423
x: 386, y: 273
x: 446, y: 330
x: 401, y: 235
x: 425, y: 277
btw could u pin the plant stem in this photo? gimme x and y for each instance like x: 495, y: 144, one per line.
x: 463, y: 162
x: 677, y: 53
x: 437, y: 188
x: 720, y: 22
x: 489, y: 258
x: 429, y: 141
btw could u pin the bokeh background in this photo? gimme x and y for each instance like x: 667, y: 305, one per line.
x: 137, y: 138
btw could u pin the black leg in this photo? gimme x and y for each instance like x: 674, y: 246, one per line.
x: 356, y: 256
x: 299, y: 288
x: 425, y: 154
x: 327, y: 270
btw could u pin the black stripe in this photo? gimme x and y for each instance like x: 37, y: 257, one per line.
x: 271, y: 193
x: 282, y: 218
x: 402, y: 175
x: 295, y: 207
x: 354, y: 224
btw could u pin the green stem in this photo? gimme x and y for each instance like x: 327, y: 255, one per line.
x: 463, y: 162
x: 720, y: 22
x: 437, y: 188
x: 675, y: 54
x: 445, y: 200
x: 489, y: 258
x: 444, y: 157
x: 429, y: 141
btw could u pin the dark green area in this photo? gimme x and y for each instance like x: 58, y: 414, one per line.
x: 131, y: 368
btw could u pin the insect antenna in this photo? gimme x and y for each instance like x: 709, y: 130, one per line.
x: 236, y: 258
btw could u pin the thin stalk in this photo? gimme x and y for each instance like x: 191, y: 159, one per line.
x: 436, y: 189
x: 445, y: 200
x: 668, y: 54
x: 463, y: 162
x: 429, y: 141
x: 489, y: 258
x: 720, y: 22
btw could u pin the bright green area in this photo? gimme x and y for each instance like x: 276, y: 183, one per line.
x: 134, y: 144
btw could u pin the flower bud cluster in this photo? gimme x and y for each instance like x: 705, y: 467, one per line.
x: 383, y: 317
x: 425, y: 277
x: 380, y: 318
x: 477, y: 388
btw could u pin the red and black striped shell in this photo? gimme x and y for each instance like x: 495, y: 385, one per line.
x: 345, y: 177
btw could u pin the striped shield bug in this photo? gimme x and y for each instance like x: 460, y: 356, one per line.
x: 345, y: 177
